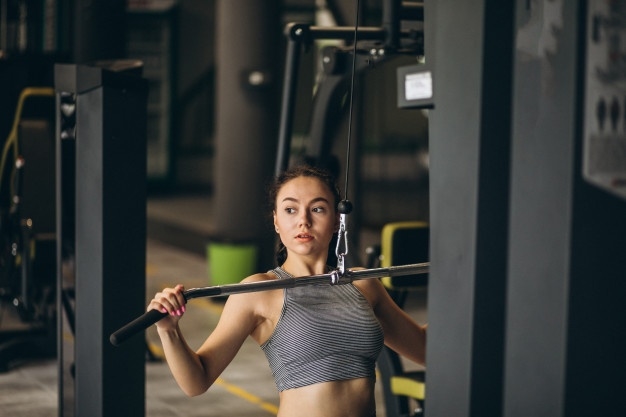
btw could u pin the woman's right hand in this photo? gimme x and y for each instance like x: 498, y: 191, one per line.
x: 170, y: 301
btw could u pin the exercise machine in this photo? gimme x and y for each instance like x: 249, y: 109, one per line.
x: 27, y: 292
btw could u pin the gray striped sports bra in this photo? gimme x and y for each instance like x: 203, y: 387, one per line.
x: 325, y: 333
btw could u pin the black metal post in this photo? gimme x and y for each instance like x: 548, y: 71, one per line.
x: 290, y: 81
x: 110, y: 232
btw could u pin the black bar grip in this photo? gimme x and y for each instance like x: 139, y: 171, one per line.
x: 135, y: 326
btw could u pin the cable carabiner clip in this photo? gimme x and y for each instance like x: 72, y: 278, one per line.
x: 342, y: 237
x: 344, y: 208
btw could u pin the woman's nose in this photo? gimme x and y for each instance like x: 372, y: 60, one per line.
x: 304, y: 219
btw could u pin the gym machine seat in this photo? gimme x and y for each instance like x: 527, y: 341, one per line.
x: 401, y: 243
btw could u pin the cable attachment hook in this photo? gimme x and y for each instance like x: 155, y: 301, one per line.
x: 344, y: 208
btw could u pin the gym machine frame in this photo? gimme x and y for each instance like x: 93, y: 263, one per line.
x: 388, y: 40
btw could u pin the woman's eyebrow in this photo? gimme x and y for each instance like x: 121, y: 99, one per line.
x: 315, y: 200
x: 318, y: 199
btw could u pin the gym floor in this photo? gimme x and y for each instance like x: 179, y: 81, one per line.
x: 177, y: 231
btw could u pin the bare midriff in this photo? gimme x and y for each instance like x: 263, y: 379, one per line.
x: 353, y: 398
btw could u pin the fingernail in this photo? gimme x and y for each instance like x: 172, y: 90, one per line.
x: 183, y: 309
x: 163, y: 310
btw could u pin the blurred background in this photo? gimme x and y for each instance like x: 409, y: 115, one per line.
x: 177, y: 43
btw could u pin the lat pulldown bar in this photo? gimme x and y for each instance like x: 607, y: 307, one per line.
x: 332, y: 278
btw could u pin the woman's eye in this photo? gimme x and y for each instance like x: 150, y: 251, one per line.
x: 318, y: 209
x: 290, y: 210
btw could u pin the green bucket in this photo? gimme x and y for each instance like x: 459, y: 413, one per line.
x: 230, y: 263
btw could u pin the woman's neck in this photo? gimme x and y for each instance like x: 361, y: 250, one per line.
x: 299, y: 267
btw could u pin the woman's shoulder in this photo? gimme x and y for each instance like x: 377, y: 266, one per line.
x: 252, y: 300
x: 260, y: 304
x: 261, y: 276
x: 371, y: 284
x: 371, y: 288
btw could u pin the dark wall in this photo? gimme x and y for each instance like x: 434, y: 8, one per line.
x: 99, y: 30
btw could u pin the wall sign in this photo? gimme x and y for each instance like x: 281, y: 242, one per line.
x: 604, y: 152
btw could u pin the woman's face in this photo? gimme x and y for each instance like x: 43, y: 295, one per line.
x: 305, y: 216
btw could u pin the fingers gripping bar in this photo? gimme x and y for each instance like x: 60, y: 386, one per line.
x: 333, y: 278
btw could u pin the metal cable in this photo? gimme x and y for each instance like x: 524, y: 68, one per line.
x: 354, y: 50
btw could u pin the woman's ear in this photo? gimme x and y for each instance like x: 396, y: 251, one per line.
x: 274, y: 217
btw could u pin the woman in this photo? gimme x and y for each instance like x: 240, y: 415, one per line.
x: 321, y: 341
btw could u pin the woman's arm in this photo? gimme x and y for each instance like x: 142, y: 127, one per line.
x: 402, y: 334
x: 186, y: 366
x: 196, y: 371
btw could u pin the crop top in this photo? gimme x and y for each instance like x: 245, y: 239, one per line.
x: 324, y: 333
